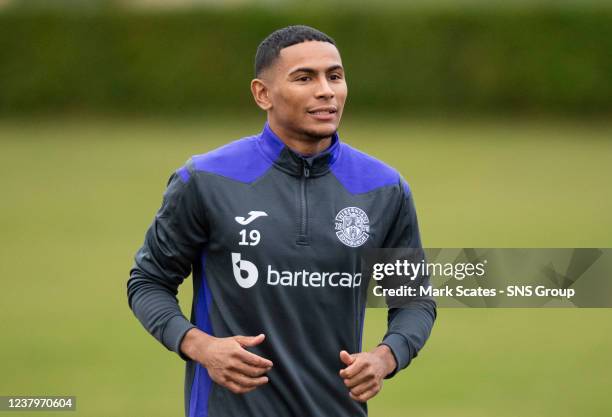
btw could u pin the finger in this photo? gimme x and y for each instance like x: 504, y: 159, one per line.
x: 245, y: 381
x: 237, y: 389
x: 363, y: 397
x: 362, y: 388
x: 248, y: 370
x: 252, y: 359
x: 248, y: 341
x: 346, y: 358
x: 354, y: 369
x: 361, y: 378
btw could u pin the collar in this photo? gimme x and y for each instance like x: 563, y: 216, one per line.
x: 292, y: 162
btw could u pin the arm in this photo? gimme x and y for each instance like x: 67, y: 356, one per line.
x: 172, y: 243
x: 408, y: 328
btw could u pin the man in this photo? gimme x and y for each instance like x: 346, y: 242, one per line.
x: 273, y: 226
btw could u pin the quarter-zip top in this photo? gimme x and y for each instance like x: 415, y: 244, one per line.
x: 274, y: 240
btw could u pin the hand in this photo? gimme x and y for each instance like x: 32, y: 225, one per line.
x: 366, y: 371
x: 228, y: 363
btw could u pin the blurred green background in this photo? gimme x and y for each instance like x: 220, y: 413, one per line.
x: 498, y: 164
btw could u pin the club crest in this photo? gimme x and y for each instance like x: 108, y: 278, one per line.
x: 352, y: 226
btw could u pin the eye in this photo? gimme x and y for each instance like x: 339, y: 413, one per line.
x: 304, y: 78
x: 335, y: 76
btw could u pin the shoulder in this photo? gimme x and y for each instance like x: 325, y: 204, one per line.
x: 240, y: 160
x: 361, y: 173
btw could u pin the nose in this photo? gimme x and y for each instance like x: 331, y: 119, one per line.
x: 324, y: 90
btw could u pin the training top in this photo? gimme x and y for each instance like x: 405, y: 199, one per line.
x: 274, y: 242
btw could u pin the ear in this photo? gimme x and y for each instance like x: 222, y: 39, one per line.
x: 260, y: 91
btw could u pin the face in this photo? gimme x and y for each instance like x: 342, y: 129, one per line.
x: 305, y: 91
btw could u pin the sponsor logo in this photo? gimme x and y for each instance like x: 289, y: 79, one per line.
x: 252, y: 216
x: 282, y: 278
x: 352, y: 226
x: 241, y: 266
x: 305, y: 278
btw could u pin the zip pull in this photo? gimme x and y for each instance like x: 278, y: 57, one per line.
x: 306, y: 168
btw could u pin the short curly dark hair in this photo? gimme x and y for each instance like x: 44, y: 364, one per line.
x: 269, y: 49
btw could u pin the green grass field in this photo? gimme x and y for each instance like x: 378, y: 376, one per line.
x: 78, y: 195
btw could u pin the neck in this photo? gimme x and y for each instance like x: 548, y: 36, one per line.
x: 305, y: 146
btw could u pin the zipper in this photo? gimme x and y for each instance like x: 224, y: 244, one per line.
x: 302, y: 238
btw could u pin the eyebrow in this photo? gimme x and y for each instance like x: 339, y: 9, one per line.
x: 313, y: 71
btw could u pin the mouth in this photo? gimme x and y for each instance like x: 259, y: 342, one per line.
x: 324, y: 113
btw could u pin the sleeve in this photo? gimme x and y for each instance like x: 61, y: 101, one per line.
x: 409, y: 327
x: 172, y: 244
